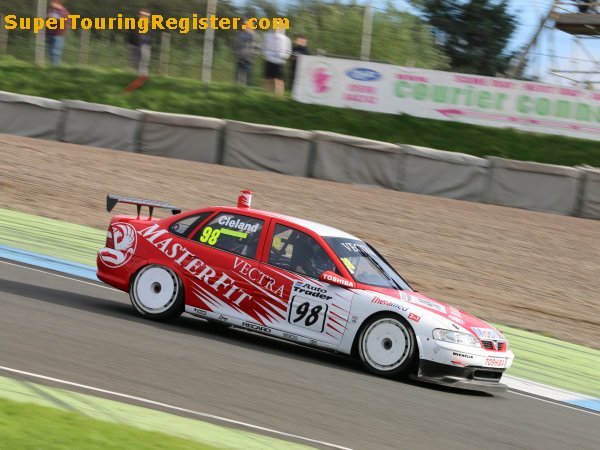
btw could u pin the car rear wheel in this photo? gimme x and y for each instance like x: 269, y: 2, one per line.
x: 156, y: 293
x: 387, y: 346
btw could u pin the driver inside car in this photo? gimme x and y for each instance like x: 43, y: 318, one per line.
x: 314, y: 261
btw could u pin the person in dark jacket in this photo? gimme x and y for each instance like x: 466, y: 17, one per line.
x: 246, y: 47
x: 300, y: 48
x: 140, y: 47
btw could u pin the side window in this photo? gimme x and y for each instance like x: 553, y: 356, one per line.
x: 232, y: 233
x: 298, y: 252
x: 184, y: 226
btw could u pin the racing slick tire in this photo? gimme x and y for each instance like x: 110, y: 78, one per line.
x: 387, y: 346
x: 156, y: 293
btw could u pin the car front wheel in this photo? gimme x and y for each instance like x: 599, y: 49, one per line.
x: 387, y: 346
x: 156, y: 293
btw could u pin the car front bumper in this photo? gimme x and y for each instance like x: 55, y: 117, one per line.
x: 474, y: 378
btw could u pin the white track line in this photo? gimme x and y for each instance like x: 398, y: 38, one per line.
x: 60, y: 276
x: 174, y: 408
x: 555, y: 402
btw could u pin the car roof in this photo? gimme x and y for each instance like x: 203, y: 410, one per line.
x: 319, y: 228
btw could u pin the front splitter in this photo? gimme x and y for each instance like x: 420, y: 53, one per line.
x: 459, y: 377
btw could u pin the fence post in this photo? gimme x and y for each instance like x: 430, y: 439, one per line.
x: 365, y: 48
x: 3, y: 37
x: 40, y: 38
x: 165, y: 53
x: 84, y: 46
x: 209, y: 44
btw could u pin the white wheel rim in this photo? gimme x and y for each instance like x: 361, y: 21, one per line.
x: 155, y: 289
x: 386, y: 344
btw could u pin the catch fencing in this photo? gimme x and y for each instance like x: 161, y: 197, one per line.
x: 323, y: 155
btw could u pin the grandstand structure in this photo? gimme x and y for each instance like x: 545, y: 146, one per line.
x: 581, y: 20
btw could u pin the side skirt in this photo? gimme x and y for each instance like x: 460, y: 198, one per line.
x: 259, y: 328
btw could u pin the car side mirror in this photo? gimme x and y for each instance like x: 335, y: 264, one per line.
x: 334, y: 278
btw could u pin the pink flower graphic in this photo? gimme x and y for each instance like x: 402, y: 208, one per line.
x: 320, y: 80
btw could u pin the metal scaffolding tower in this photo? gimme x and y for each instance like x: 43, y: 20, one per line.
x: 579, y: 18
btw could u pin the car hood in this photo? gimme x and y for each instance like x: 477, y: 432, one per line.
x: 459, y: 318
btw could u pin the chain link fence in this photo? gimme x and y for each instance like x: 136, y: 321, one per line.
x: 172, y: 54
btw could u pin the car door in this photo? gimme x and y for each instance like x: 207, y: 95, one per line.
x: 226, y: 247
x: 311, y: 311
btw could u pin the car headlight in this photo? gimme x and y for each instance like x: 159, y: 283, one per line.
x: 455, y: 337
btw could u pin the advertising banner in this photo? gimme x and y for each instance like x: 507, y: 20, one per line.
x: 431, y: 94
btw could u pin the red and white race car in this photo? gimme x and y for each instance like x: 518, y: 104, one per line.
x: 300, y: 281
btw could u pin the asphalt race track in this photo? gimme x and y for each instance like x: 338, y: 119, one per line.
x: 81, y: 332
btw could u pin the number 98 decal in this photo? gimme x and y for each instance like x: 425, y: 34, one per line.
x: 307, y: 313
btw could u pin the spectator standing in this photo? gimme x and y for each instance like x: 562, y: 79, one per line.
x: 277, y: 48
x: 300, y: 48
x: 55, y: 39
x: 140, y: 47
x: 246, y: 47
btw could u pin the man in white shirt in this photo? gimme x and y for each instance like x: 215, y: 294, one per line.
x: 277, y: 48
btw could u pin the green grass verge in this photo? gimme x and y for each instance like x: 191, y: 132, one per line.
x: 27, y: 426
x: 66, y: 419
x: 557, y: 363
x: 538, y: 357
x: 51, y: 237
x: 188, y: 96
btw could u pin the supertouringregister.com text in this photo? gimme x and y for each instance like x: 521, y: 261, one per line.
x: 155, y: 22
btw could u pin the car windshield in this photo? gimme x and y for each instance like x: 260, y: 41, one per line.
x: 365, y: 264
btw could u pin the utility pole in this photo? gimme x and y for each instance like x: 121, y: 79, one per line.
x: 365, y: 51
x: 209, y: 43
x: 40, y: 38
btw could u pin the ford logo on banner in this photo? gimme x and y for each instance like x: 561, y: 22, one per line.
x: 363, y: 74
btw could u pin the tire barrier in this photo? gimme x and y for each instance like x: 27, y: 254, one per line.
x: 590, y: 193
x: 444, y: 174
x: 28, y: 116
x: 534, y: 186
x: 101, y: 126
x: 180, y: 136
x: 349, y: 159
x: 264, y: 147
x: 318, y: 154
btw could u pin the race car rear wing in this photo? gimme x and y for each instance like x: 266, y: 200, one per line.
x: 112, y: 200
